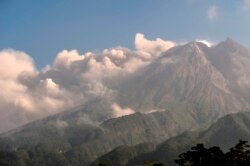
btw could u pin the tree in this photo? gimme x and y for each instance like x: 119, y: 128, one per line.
x: 239, y: 155
x: 10, y: 159
x: 103, y: 163
x: 199, y: 155
x: 158, y: 164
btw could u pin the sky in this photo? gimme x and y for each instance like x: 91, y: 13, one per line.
x: 43, y: 28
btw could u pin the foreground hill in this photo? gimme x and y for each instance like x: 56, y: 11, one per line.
x: 224, y: 133
x: 82, y: 143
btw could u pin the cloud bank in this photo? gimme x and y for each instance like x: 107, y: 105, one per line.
x: 72, y: 79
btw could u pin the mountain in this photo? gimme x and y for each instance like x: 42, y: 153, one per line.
x: 187, y: 88
x: 224, y: 133
x: 185, y: 77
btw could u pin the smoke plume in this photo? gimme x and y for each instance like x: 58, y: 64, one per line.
x: 72, y: 79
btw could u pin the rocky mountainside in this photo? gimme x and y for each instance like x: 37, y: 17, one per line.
x: 187, y: 76
x: 232, y: 60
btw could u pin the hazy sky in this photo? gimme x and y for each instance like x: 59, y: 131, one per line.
x: 44, y: 28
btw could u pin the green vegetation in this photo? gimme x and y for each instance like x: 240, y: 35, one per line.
x: 122, y: 154
x: 239, y: 155
x: 224, y: 133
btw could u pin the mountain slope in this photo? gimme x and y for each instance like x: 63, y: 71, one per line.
x: 122, y: 154
x: 224, y: 133
x: 183, y: 77
x: 233, y: 61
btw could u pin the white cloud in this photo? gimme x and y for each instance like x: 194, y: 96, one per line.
x: 154, y: 110
x: 118, y: 111
x: 212, y: 13
x: 208, y: 43
x: 71, y: 80
x: 13, y: 63
x: 13, y: 97
x: 66, y: 58
x: 151, y: 47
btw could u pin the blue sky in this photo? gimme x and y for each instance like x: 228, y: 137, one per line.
x: 44, y: 28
